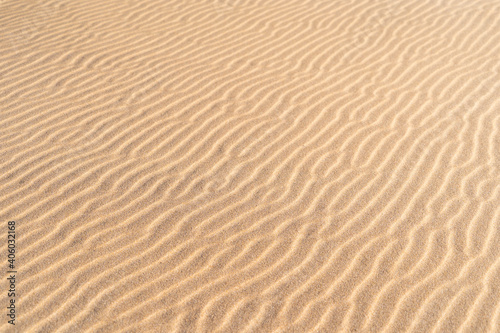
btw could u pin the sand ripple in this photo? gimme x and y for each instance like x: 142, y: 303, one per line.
x: 252, y: 166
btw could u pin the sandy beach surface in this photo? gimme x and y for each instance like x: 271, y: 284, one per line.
x: 250, y: 166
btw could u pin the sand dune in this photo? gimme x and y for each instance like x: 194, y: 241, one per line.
x: 251, y: 166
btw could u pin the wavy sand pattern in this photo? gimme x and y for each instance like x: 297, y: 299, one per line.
x: 252, y: 166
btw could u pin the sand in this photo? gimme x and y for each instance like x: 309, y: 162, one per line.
x: 251, y: 166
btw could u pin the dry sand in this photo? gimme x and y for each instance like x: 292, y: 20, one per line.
x: 251, y: 166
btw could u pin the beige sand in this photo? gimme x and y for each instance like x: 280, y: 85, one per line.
x: 251, y: 166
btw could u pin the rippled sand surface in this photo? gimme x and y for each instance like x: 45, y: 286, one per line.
x: 251, y: 166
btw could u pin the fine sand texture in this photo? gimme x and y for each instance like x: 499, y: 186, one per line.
x: 251, y: 165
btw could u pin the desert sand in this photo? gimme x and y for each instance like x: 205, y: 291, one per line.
x: 251, y: 166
